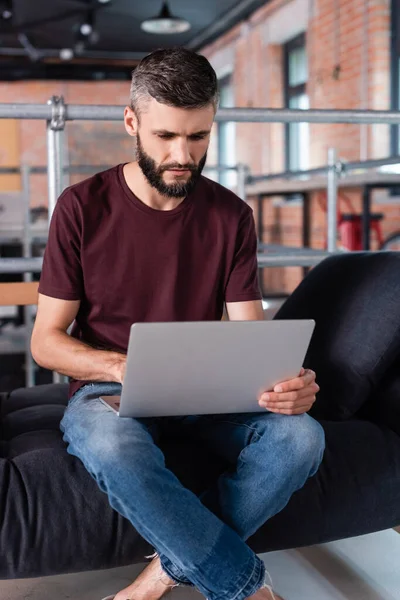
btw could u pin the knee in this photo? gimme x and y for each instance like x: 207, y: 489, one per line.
x: 305, y: 440
x: 310, y: 442
x: 114, y: 456
x: 96, y: 452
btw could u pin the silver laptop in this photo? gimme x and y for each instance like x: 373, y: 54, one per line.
x: 208, y: 367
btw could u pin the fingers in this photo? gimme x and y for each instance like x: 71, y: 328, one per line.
x: 274, y: 398
x: 299, y: 410
x: 309, y: 401
x: 290, y: 406
x: 296, y: 396
x: 298, y: 383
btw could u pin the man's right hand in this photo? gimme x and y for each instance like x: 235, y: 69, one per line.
x: 53, y: 349
x: 118, y: 368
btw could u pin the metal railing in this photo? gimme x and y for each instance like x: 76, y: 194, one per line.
x: 334, y: 170
x: 242, y: 171
x: 87, y: 112
x: 345, y: 168
x: 56, y: 113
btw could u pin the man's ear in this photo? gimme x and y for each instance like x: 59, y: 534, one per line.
x: 130, y: 121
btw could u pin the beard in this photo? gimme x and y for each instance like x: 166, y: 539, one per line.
x: 153, y: 174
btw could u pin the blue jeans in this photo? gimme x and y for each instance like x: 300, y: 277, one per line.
x: 200, y: 540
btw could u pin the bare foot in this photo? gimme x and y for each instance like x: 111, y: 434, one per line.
x: 265, y: 594
x: 152, y: 584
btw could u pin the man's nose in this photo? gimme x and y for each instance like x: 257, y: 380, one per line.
x: 180, y: 152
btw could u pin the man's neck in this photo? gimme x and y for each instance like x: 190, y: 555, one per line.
x: 139, y: 185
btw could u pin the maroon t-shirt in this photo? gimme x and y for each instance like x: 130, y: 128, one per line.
x: 127, y: 262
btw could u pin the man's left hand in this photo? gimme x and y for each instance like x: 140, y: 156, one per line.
x: 293, y: 397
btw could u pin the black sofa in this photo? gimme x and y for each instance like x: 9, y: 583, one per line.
x: 54, y: 519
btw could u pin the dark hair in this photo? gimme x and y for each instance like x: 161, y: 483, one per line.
x: 176, y: 77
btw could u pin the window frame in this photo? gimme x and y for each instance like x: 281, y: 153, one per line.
x: 291, y: 91
x: 394, y: 74
x: 223, y: 176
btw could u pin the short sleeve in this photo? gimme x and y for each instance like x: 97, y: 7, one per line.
x: 61, y: 275
x: 243, y: 282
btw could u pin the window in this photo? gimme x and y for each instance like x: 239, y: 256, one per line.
x: 296, y: 75
x: 226, y: 135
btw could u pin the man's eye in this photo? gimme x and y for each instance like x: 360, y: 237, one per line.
x: 197, y: 137
x: 166, y: 136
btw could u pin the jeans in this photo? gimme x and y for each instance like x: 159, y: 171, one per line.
x: 200, y: 540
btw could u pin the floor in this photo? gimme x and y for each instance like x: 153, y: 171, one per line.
x: 362, y: 568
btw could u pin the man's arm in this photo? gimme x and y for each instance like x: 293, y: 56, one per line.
x: 52, y: 347
x: 245, y: 311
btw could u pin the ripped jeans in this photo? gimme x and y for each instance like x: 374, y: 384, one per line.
x: 200, y: 540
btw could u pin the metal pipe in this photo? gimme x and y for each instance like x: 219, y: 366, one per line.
x: 25, y: 111
x: 282, y: 115
x: 349, y: 166
x: 371, y: 164
x: 55, y: 53
x: 221, y: 168
x: 27, y: 253
x: 25, y: 171
x: 55, y: 155
x: 332, y: 193
x: 292, y: 260
x: 298, y: 258
x: 33, y: 53
x: 83, y: 169
x: 346, y: 167
x: 52, y: 183
x: 87, y: 112
x: 21, y: 265
x: 286, y: 175
x: 241, y: 181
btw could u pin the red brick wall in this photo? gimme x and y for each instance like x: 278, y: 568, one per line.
x: 352, y: 33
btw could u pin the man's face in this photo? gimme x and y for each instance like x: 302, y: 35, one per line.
x: 172, y: 146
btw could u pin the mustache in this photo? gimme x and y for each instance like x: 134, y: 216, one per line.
x: 190, y: 167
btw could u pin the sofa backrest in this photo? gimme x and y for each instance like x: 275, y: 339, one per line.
x: 355, y: 301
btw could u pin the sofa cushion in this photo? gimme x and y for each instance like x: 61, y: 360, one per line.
x: 383, y: 407
x: 354, y: 299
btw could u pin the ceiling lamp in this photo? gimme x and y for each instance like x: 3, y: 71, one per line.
x: 66, y: 54
x: 86, y: 27
x: 165, y: 23
x: 6, y: 10
x: 85, y: 33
